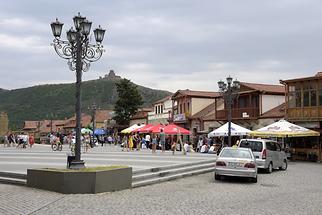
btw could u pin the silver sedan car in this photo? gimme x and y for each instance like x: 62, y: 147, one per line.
x: 236, y: 162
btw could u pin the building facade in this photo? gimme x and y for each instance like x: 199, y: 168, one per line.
x: 187, y: 103
x: 252, y: 105
x: 304, y: 107
x: 161, y: 111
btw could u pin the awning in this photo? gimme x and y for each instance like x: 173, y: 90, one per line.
x: 236, y: 130
x: 284, y: 128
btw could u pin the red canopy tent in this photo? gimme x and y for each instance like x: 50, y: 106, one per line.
x: 174, y: 129
x: 145, y: 129
x: 157, y: 128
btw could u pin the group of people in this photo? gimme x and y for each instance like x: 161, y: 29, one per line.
x: 144, y: 141
x: 209, y: 145
x: 159, y: 141
x: 18, y: 140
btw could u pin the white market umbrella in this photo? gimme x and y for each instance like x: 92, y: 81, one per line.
x: 236, y: 130
x: 132, y: 128
x: 283, y: 128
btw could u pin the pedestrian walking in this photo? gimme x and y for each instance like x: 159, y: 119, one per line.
x: 147, y: 140
x: 162, y: 140
x: 131, y: 142
x: 31, y: 140
x: 200, y: 143
x: 154, y: 143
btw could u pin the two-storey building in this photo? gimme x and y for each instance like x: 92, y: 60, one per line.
x: 304, y: 107
x: 186, y: 103
x: 161, y: 111
x: 253, y: 105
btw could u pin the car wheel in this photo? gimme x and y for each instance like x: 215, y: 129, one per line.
x: 217, y: 177
x: 254, y: 180
x: 270, y: 168
x: 284, y: 166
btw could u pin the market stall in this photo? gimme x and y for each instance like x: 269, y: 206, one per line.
x: 303, y: 143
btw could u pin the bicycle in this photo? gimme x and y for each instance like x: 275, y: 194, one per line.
x: 57, y: 146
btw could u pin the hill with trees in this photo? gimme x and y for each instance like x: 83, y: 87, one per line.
x: 57, y: 101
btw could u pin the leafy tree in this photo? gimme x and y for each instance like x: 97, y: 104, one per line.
x: 129, y: 100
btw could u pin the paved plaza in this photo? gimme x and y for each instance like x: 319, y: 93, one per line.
x: 18, y: 160
x: 295, y: 191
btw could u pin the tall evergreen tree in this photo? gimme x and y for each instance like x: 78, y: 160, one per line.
x: 129, y: 100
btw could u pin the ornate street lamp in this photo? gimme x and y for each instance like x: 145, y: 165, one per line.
x: 79, y: 53
x: 229, y: 92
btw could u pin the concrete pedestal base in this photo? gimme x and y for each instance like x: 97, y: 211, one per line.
x: 80, y: 181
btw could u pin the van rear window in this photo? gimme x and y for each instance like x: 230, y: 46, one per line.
x: 255, y: 146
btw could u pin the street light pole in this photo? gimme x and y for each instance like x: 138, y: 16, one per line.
x: 79, y: 53
x: 227, y: 90
x: 229, y: 113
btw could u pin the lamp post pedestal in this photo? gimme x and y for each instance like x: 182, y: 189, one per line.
x: 77, y: 164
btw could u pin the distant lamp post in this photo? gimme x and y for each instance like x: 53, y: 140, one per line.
x: 79, y: 53
x: 93, y: 108
x: 229, y: 92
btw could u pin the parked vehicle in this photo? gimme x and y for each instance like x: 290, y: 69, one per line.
x: 268, y: 153
x: 236, y: 162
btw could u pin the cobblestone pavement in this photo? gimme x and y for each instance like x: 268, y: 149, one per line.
x: 295, y: 191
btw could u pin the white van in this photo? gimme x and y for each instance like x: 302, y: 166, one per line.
x: 268, y: 153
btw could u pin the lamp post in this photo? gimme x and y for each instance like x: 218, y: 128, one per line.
x: 93, y: 108
x: 229, y: 92
x: 79, y: 53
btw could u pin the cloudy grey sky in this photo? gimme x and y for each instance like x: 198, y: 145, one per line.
x: 167, y: 44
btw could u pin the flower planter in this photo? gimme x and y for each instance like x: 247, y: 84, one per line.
x: 88, y: 180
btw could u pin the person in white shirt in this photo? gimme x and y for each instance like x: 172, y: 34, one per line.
x: 204, y: 148
x: 147, y: 140
x: 212, y: 149
x: 187, y: 147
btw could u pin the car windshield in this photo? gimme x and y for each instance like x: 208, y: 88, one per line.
x: 235, y: 153
x: 255, y: 146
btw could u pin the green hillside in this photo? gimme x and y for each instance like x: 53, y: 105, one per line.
x: 57, y: 101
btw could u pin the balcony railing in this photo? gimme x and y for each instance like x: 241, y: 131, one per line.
x: 304, y: 113
x: 240, y: 113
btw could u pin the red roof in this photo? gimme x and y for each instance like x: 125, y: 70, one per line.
x: 30, y: 125
x: 102, y: 115
x: 194, y: 93
x: 268, y: 88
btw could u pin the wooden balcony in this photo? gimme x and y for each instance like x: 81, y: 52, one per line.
x: 305, y: 113
x: 241, y: 113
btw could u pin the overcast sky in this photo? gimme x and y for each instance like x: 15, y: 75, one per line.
x: 167, y: 44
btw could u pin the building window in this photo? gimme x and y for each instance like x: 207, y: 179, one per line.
x: 156, y: 109
x: 313, y: 98
x: 161, y: 108
x: 320, y: 93
x: 306, y: 98
x: 184, y: 107
x: 309, y: 94
x: 291, y: 99
x: 188, y: 104
x: 298, y: 102
x: 242, y: 102
x: 180, y: 108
